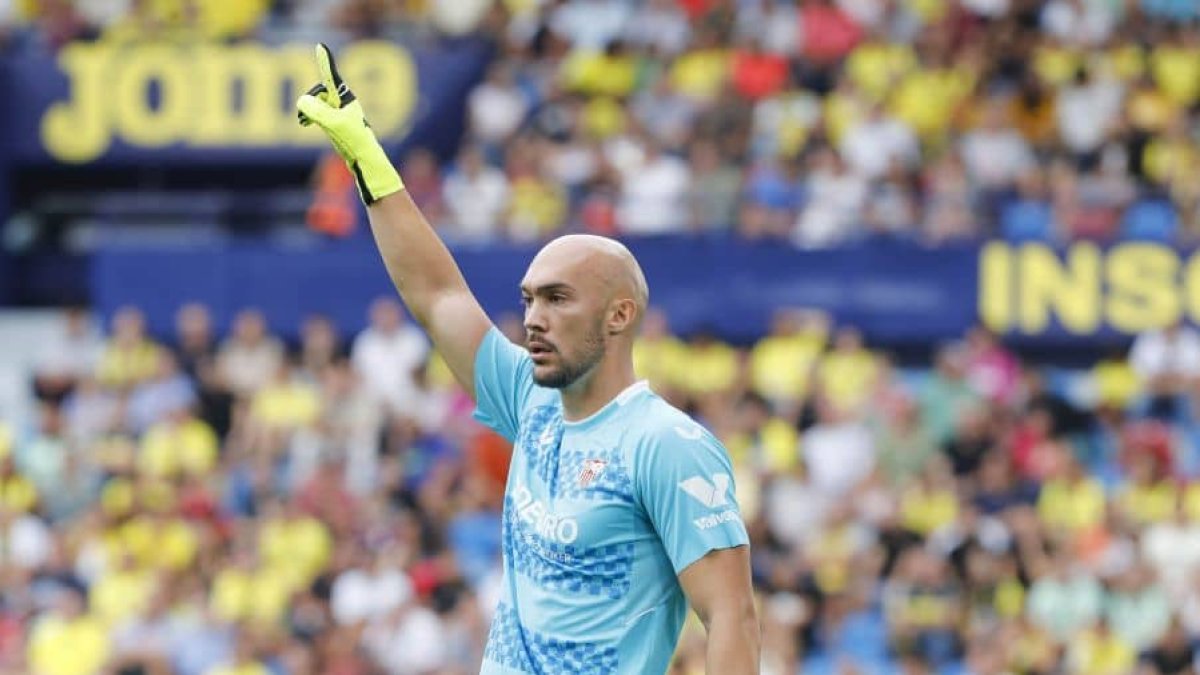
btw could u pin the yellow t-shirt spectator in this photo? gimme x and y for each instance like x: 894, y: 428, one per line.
x: 781, y: 366
x: 1116, y: 383
x: 1101, y: 654
x: 537, y: 206
x: 121, y: 594
x: 260, y: 596
x: 662, y: 361
x: 1150, y: 109
x: 926, y: 511
x: 1176, y: 70
x: 125, y: 366
x: 701, y: 73
x: 1056, y: 66
x: 1124, y: 62
x: 68, y: 647
x: 710, y: 367
x: 18, y: 493
x: 223, y: 19
x: 599, y: 74
x: 876, y: 66
x: 288, y: 405
x: 170, y: 449
x: 602, y: 117
x: 1169, y: 161
x: 928, y: 99
x: 297, y: 549
x: 841, y: 112
x: 252, y: 668
x: 1148, y: 504
x: 170, y: 545
x: 777, y: 448
x: 847, y: 378
x: 1072, y: 506
x: 1191, y: 502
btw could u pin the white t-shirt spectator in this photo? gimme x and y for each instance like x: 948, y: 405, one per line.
x: 387, y: 361
x: 871, y: 147
x: 1083, y: 23
x: 496, y: 110
x: 591, y: 24
x: 1157, y: 353
x: 995, y: 157
x: 1086, y: 113
x: 654, y: 196
x: 834, y: 210
x: 476, y: 201
x: 410, y: 642
x: 838, y: 456
x: 27, y: 543
x: 1173, y: 550
x: 459, y: 17
x: 660, y: 24
x: 368, y: 595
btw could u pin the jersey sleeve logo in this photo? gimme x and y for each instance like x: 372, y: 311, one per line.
x: 710, y: 495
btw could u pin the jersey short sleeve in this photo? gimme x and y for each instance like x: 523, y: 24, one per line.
x: 684, y: 481
x: 503, y: 383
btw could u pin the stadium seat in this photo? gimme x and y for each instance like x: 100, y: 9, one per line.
x: 1026, y: 220
x: 1150, y: 221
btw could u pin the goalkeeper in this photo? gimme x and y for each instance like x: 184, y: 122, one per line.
x: 619, y: 509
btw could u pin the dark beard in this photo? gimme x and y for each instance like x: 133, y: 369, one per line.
x: 569, y: 373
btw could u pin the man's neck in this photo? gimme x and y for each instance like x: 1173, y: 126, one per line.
x: 595, y: 390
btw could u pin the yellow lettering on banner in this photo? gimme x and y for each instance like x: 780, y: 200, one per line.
x: 995, y: 286
x: 1191, y: 288
x: 221, y: 73
x: 212, y: 96
x: 137, y: 121
x: 78, y: 129
x: 1070, y: 291
x: 1142, y: 291
x: 294, y: 68
x: 391, y: 77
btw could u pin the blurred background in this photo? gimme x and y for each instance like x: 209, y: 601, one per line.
x: 925, y: 266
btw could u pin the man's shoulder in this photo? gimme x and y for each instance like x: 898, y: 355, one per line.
x: 654, y: 421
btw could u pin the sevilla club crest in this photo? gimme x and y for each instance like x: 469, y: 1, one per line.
x: 592, y: 468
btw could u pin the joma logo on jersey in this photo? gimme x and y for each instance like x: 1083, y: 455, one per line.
x: 532, y: 511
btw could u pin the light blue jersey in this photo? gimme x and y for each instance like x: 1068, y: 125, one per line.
x: 600, y: 516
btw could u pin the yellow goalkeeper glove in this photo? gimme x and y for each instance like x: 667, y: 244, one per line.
x: 333, y: 107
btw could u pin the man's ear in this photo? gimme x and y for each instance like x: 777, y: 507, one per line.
x: 622, y: 315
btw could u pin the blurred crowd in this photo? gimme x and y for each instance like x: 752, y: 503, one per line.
x: 813, y: 121
x: 230, y: 504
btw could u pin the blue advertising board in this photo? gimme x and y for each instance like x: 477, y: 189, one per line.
x: 895, y: 292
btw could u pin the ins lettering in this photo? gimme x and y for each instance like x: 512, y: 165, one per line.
x: 1086, y: 289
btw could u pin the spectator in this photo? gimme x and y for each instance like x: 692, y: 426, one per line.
x: 653, y: 194
x: 387, y: 354
x: 251, y: 355
x: 476, y: 196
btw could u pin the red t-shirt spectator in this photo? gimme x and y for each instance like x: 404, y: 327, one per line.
x: 829, y: 33
x: 758, y: 75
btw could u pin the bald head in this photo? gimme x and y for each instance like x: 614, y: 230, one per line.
x: 597, y: 264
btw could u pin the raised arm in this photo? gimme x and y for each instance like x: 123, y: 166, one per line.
x: 417, y: 261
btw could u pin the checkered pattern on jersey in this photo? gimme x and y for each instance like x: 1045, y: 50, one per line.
x: 513, y: 646
x: 597, y: 570
x: 540, y: 437
x: 613, y: 483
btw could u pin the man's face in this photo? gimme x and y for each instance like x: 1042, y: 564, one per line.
x: 564, y: 321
